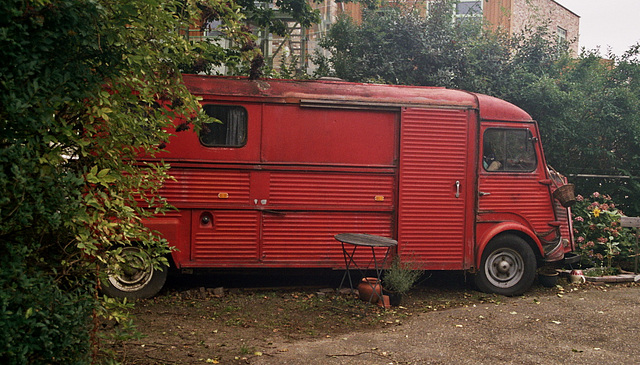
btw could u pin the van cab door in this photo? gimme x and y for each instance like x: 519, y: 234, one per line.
x: 512, y: 180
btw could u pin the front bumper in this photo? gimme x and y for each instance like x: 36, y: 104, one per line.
x: 570, y: 258
x: 554, y: 251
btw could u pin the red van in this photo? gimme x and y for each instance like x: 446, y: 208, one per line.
x: 458, y: 179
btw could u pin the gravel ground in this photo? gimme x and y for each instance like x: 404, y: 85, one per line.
x: 596, y: 325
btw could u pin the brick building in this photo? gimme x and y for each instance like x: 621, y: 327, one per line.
x: 514, y: 15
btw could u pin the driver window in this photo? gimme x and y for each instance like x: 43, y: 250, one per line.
x: 511, y: 150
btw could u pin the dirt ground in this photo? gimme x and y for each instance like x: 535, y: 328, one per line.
x: 443, y: 321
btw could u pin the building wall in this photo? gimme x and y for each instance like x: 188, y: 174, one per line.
x: 531, y: 12
x: 498, y: 14
x: 513, y: 16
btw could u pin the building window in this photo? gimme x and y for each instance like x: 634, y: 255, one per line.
x: 469, y: 8
x: 468, y: 11
x: 562, y: 35
x: 509, y: 150
x: 230, y: 129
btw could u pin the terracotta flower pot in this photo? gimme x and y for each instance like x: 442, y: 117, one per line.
x: 370, y: 290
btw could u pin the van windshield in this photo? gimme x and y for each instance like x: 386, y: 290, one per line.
x: 511, y: 150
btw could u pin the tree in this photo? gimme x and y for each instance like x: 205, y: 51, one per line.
x: 85, y: 87
x: 260, y: 17
x: 399, y: 45
x: 601, y: 124
x: 263, y: 15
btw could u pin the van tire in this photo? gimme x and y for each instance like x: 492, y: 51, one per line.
x: 508, y: 266
x: 136, y: 278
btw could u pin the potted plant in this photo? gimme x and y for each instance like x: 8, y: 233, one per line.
x: 548, y: 277
x: 398, y: 279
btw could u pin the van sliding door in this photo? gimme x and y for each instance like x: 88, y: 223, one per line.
x: 436, y: 186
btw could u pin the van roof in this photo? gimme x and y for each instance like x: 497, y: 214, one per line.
x: 337, y: 93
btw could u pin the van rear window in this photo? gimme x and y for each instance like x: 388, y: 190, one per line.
x: 230, y: 130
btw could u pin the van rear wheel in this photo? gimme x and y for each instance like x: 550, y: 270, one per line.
x: 134, y: 277
x: 508, y: 266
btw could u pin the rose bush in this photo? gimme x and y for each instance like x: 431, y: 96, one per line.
x: 600, y: 239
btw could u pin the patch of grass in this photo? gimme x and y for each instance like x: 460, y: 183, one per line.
x: 246, y: 350
x: 230, y: 309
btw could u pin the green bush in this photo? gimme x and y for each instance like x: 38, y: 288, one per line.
x: 400, y: 277
x: 600, y: 239
x: 40, y: 321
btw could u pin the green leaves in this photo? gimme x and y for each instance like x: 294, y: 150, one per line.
x: 86, y: 86
x: 102, y: 177
x: 263, y: 15
x: 402, y: 46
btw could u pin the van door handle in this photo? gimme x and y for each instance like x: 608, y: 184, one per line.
x: 482, y: 193
x: 457, y: 189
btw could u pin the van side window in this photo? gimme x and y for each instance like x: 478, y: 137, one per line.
x: 230, y: 131
x: 509, y: 150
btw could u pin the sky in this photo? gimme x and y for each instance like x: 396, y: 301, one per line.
x: 607, y: 23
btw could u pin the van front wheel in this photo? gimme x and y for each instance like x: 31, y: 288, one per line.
x: 508, y: 266
x: 134, y: 277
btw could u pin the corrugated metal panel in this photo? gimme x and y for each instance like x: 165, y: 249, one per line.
x: 232, y: 236
x: 200, y: 186
x: 522, y: 195
x: 433, y: 156
x: 307, y: 238
x: 349, y: 191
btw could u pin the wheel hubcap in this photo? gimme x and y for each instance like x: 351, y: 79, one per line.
x: 504, y: 268
x: 134, y: 273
